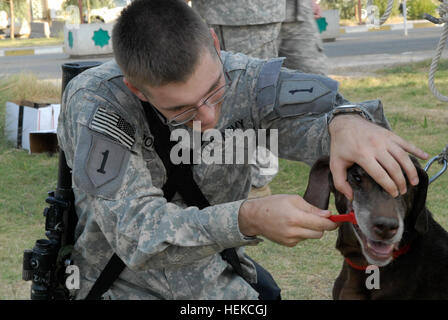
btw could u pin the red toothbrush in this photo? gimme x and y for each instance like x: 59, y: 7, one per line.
x: 349, y: 217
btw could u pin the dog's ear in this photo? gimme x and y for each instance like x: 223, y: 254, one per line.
x: 318, y: 190
x: 419, y: 202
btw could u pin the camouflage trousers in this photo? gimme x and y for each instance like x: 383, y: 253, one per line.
x: 259, y: 41
x: 301, y: 44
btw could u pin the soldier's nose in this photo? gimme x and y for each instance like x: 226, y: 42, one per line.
x: 206, y: 114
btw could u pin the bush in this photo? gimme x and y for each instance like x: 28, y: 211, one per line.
x: 347, y: 7
x: 416, y: 8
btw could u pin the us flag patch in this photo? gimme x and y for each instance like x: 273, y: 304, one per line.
x: 114, y: 126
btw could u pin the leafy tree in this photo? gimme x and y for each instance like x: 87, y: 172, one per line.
x: 20, y: 8
x: 94, y: 4
x: 416, y: 8
x: 347, y: 7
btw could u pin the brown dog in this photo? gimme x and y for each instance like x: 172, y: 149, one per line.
x: 399, y: 235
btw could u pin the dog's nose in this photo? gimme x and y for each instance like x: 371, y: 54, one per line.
x: 385, y: 227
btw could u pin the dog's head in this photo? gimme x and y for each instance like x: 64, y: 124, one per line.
x: 384, y: 223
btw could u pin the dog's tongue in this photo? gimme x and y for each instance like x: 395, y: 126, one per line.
x: 380, y: 248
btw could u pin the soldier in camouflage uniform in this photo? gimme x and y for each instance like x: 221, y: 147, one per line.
x: 171, y: 251
x: 253, y: 28
x: 299, y: 39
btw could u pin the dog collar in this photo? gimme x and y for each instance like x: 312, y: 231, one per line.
x: 395, y: 255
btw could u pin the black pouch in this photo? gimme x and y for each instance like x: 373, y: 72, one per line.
x: 266, y: 285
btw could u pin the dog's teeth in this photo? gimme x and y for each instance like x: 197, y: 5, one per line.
x: 380, y: 247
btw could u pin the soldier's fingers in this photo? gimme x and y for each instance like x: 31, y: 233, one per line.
x: 302, y: 233
x: 312, y: 221
x: 339, y: 173
x: 390, y: 164
x: 409, y: 147
x: 379, y: 174
x: 308, y: 207
x: 405, y: 162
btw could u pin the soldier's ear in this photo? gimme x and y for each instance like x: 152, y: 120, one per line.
x: 215, y: 41
x: 134, y: 90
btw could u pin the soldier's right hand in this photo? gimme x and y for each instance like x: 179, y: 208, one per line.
x: 284, y: 219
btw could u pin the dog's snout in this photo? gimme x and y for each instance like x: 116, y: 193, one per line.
x: 385, y: 227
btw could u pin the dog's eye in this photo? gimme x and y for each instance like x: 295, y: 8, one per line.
x: 357, y: 178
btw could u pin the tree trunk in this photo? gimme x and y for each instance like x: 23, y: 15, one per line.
x: 11, y: 27
x: 88, y: 11
x: 81, y: 13
x: 359, y: 12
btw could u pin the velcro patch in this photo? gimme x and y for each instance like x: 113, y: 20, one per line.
x: 301, y: 91
x: 113, y: 125
x: 104, y: 161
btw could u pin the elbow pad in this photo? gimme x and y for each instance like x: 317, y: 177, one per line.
x: 286, y: 93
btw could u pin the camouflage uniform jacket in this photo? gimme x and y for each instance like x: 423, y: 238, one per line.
x: 172, y: 251
x: 240, y: 13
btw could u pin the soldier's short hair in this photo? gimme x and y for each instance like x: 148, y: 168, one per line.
x: 159, y: 41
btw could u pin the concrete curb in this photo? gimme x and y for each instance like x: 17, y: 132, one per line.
x: 397, y: 26
x: 29, y: 51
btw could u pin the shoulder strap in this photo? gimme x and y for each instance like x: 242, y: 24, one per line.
x: 180, y: 179
x: 107, y: 277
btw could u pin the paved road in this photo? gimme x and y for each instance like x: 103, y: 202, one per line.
x: 383, y: 42
x: 366, y: 51
x: 350, y: 50
x: 46, y: 66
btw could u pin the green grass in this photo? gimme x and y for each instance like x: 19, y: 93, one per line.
x: 16, y: 43
x: 25, y: 180
x: 306, y: 271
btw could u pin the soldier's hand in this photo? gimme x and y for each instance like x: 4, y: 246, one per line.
x: 377, y: 150
x: 285, y: 219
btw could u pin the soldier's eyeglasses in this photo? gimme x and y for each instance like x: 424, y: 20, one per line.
x: 212, y: 100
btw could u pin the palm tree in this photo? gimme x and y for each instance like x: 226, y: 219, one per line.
x: 11, y: 10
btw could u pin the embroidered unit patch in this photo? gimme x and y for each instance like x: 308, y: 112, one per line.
x: 114, y: 126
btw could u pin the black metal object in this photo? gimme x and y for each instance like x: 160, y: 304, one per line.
x: 45, y: 264
x: 432, y: 19
x: 442, y: 159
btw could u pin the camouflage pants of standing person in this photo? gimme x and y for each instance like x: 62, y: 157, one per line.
x: 301, y: 44
x: 259, y: 41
